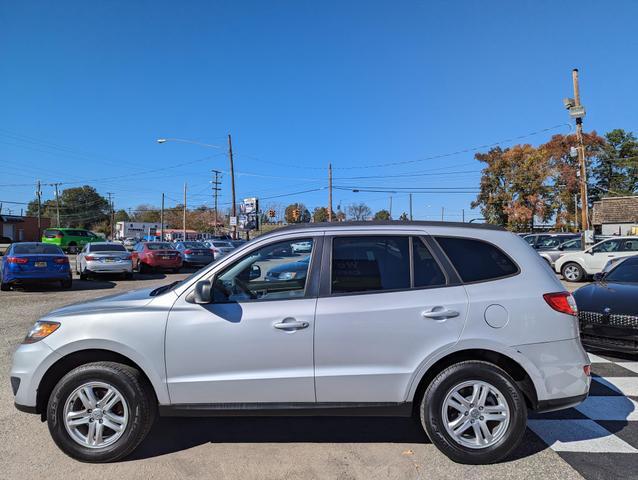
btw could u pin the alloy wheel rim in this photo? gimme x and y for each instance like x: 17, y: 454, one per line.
x: 475, y: 414
x: 96, y: 415
x: 571, y: 272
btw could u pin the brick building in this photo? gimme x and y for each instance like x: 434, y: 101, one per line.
x: 20, y: 228
x: 616, y: 216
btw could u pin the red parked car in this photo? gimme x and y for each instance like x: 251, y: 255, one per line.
x: 156, y: 255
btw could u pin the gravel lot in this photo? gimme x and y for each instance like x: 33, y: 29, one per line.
x: 343, y: 447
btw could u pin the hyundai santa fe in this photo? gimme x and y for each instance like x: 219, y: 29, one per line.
x: 463, y: 327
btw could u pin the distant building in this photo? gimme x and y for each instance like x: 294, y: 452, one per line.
x: 137, y: 229
x: 22, y: 229
x: 616, y: 216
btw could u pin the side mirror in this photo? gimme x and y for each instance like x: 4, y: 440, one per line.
x: 591, y: 252
x: 203, y: 292
x: 255, y: 272
x: 561, y: 248
x: 599, y: 276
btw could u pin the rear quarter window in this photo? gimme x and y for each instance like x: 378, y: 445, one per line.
x: 476, y: 260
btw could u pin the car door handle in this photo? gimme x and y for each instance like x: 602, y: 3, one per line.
x: 291, y: 325
x: 439, y: 313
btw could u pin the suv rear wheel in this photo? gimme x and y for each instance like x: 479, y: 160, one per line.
x: 474, y: 413
x: 100, y: 412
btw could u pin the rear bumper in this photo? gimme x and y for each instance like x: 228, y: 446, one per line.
x: 26, y: 278
x: 198, y: 259
x: 159, y: 263
x: 557, y: 373
x: 125, y: 266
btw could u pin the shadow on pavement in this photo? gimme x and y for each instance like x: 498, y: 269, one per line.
x: 170, y: 435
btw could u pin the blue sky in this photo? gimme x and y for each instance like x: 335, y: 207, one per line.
x: 87, y: 87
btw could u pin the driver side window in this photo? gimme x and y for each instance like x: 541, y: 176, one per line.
x: 275, y: 272
x: 608, y: 246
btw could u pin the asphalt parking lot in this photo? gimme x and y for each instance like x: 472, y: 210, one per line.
x: 280, y: 447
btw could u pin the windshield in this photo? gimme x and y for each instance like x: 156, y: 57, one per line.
x: 194, y: 245
x: 625, y: 272
x: 159, y: 246
x: 36, y: 249
x: 111, y: 247
x: 223, y: 244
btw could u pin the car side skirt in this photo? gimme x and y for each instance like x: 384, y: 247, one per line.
x: 327, y: 409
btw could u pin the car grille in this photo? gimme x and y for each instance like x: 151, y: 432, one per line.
x: 614, y: 320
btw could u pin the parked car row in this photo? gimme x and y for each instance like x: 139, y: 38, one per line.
x: 46, y: 262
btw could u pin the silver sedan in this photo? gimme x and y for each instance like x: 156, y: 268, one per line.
x: 104, y: 257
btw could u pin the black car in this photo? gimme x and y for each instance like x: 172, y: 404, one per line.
x: 289, y: 271
x: 608, y: 308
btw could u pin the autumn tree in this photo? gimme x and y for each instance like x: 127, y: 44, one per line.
x: 514, y: 189
x: 382, y: 215
x: 564, y: 169
x: 615, y: 171
x: 146, y: 213
x: 359, y: 211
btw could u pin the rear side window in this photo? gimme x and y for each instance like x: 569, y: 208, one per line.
x: 52, y: 233
x: 427, y: 272
x: 475, y: 260
x: 370, y: 263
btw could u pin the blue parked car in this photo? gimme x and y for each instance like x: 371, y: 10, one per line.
x: 34, y: 263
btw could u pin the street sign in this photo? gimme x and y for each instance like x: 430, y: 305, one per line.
x: 233, y: 221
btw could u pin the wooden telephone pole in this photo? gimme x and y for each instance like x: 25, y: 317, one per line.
x: 330, y: 192
x: 232, y: 185
x: 584, y: 212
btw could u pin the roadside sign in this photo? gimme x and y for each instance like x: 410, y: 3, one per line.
x: 233, y: 221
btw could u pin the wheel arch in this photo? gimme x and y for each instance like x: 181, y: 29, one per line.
x: 511, y: 366
x: 72, y: 360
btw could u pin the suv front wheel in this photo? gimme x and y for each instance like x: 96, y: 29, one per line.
x: 474, y: 413
x: 100, y: 412
x: 572, y: 272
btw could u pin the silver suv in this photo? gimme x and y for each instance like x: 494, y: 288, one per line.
x: 462, y: 326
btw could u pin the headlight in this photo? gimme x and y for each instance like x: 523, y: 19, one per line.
x: 287, y: 275
x: 40, y: 330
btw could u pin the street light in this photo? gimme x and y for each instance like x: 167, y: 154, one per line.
x: 183, y: 140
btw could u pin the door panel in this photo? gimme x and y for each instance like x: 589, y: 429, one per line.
x: 232, y: 352
x: 367, y: 347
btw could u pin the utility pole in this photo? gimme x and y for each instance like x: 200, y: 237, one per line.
x: 57, y: 204
x: 184, y: 215
x: 216, y: 190
x: 162, y: 220
x: 390, y: 211
x: 110, y: 194
x: 575, y: 212
x: 410, y: 207
x: 463, y: 215
x: 330, y: 192
x: 442, y: 213
x: 38, y: 193
x: 577, y: 111
x: 232, y: 184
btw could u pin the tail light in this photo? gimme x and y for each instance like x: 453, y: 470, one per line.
x: 59, y: 235
x: 188, y: 251
x: 562, y: 302
x: 61, y: 260
x: 89, y: 257
x: 18, y: 260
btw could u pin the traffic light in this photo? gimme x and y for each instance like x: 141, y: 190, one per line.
x: 271, y: 213
x: 295, y: 214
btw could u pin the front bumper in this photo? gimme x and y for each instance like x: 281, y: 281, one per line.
x: 30, y: 363
x: 124, y: 266
x: 557, y: 373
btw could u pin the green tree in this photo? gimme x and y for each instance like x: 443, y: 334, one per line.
x: 121, y: 216
x: 79, y: 207
x: 382, y: 215
x: 320, y: 214
x: 404, y: 217
x: 615, y: 171
x: 303, y: 213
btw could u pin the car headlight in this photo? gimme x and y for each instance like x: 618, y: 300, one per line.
x: 287, y: 275
x: 41, y: 329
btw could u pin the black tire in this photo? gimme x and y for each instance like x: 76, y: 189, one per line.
x: 4, y: 287
x: 574, y: 271
x: 132, y: 386
x: 176, y: 270
x: 66, y: 284
x: 142, y: 267
x: 432, y: 416
x: 128, y: 276
x: 72, y: 248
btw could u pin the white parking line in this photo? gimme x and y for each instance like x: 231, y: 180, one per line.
x: 609, y: 408
x: 579, y: 436
x: 633, y: 366
x: 625, y: 385
x: 596, y: 359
